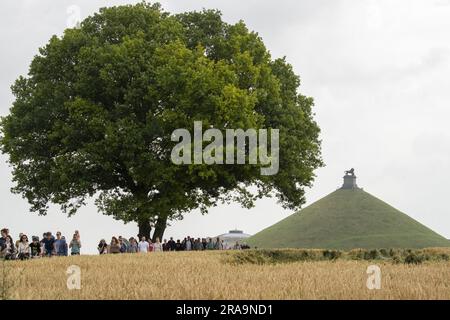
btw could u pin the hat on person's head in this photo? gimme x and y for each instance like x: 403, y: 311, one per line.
x: 35, y: 238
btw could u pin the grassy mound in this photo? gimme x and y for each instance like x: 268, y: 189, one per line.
x: 347, y: 219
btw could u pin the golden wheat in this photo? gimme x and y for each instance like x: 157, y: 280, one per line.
x: 207, y: 275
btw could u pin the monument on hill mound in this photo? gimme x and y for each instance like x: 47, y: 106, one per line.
x: 350, y: 180
x: 345, y: 219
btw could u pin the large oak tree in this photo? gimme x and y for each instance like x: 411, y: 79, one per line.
x: 94, y: 116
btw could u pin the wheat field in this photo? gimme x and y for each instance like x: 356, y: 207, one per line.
x: 209, y: 275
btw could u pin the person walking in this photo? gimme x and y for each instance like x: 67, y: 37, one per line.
x: 18, y: 240
x: 165, y: 245
x: 188, y: 244
x: 61, y: 245
x: 204, y: 244
x: 218, y: 244
x: 210, y: 245
x: 36, y: 248
x: 178, y: 246
x: 3, y: 243
x: 123, y: 247
x: 23, y: 248
x: 102, y: 247
x: 11, y: 250
x: 150, y: 245
x: 114, y: 246
x: 133, y: 248
x: 172, y: 244
x: 75, y: 245
x: 157, y: 246
x: 49, y: 244
x: 143, y: 245
x: 225, y: 245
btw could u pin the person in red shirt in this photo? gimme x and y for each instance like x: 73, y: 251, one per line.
x: 150, y: 246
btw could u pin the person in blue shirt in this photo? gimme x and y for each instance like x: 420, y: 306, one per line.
x: 61, y: 245
x: 123, y: 246
x: 49, y: 244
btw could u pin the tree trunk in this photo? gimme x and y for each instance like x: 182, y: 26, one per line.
x: 160, y: 227
x: 144, y: 228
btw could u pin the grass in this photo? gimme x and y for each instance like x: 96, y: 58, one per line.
x: 278, y: 274
x: 348, y: 219
x: 6, y: 283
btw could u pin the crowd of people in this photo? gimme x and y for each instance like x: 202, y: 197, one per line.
x: 49, y: 245
x: 133, y: 245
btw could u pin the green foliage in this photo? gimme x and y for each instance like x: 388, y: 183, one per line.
x: 95, y: 114
x: 280, y: 256
x: 332, y: 254
x: 401, y: 256
x: 347, y: 219
x: 396, y: 260
x: 372, y: 255
x: 413, y: 258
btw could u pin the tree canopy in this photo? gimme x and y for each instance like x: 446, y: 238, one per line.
x: 94, y: 116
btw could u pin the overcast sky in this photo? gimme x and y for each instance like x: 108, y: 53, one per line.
x: 379, y: 72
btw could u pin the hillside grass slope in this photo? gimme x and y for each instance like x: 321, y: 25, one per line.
x: 347, y: 219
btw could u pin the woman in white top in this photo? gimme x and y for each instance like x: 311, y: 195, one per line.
x: 157, y: 246
x: 23, y: 248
